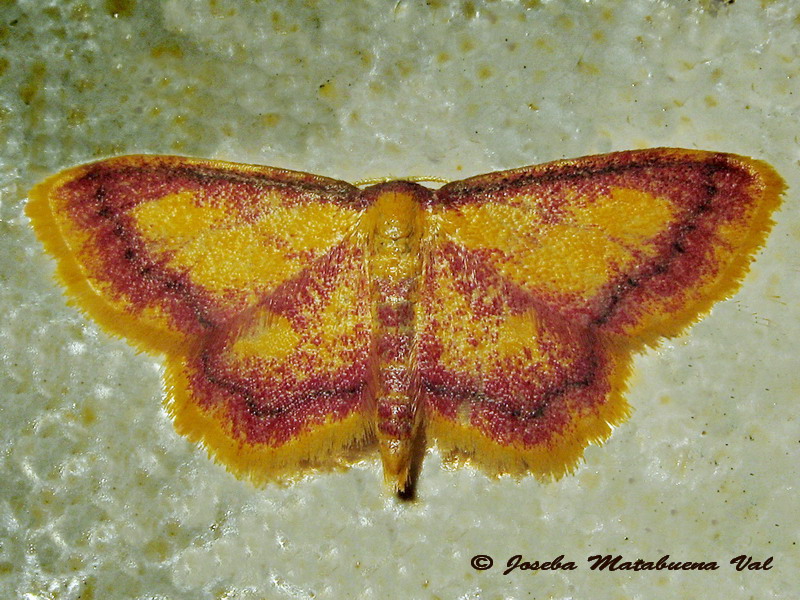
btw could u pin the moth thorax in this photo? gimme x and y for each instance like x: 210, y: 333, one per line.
x: 397, y: 219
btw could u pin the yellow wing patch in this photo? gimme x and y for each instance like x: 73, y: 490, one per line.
x: 255, y: 254
x: 571, y: 252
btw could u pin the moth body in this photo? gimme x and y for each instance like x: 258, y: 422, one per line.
x: 395, y: 267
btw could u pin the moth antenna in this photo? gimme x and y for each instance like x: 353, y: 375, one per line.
x: 414, y: 179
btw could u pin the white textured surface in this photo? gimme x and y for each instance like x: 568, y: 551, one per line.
x: 99, y: 498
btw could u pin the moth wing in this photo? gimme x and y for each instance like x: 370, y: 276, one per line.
x: 541, y: 281
x: 213, y: 263
x: 287, y: 386
x: 160, y: 249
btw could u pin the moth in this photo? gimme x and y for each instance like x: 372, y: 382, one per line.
x: 306, y: 322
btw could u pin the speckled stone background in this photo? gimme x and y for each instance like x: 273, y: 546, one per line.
x: 99, y: 498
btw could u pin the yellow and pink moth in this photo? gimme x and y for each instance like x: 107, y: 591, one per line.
x: 306, y: 321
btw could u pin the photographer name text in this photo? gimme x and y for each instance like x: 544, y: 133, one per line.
x: 608, y: 562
